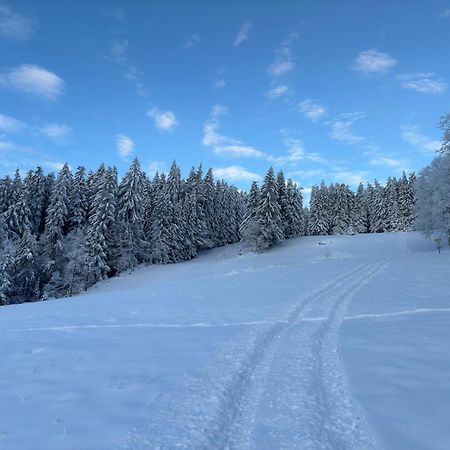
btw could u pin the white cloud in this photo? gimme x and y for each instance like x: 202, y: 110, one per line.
x: 125, y: 146
x: 385, y: 161
x: 165, y: 121
x: 295, y: 152
x: 55, y: 132
x: 313, y: 173
x: 284, y: 61
x: 242, y: 34
x: 341, y: 128
x: 155, y: 166
x: 353, y: 178
x: 52, y: 165
x: 14, y: 25
x: 220, y: 82
x: 10, y: 125
x: 33, y: 80
x: 224, y: 145
x: 411, y: 135
x: 235, y: 173
x: 119, y: 55
x: 312, y: 110
x: 373, y: 61
x: 192, y: 41
x: 423, y: 82
x: 444, y: 14
x: 278, y: 91
x: 238, y: 151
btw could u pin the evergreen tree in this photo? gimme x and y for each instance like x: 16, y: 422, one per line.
x: 101, y: 238
x: 26, y: 269
x: 57, y: 224
x: 269, y: 214
x: 131, y: 217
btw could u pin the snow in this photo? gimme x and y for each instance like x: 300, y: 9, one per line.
x: 333, y: 346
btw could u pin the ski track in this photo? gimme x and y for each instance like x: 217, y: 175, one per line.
x: 236, y: 416
x: 148, y: 325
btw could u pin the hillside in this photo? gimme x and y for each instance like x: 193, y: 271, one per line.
x: 329, y: 342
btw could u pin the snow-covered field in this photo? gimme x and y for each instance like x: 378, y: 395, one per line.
x: 336, y: 346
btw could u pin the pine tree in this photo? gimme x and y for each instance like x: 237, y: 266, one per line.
x: 6, y: 277
x: 101, y: 238
x: 78, y: 202
x: 319, y: 211
x: 294, y: 211
x: 269, y: 214
x: 26, y: 269
x: 130, y: 205
x: 282, y: 201
x: 379, y: 209
x: 250, y: 225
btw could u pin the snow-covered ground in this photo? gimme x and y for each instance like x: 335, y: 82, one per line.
x: 337, y: 346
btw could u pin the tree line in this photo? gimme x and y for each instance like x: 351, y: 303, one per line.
x: 62, y: 234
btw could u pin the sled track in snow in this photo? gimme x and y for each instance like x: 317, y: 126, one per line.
x: 236, y: 416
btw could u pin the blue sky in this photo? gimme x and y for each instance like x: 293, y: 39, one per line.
x: 344, y: 90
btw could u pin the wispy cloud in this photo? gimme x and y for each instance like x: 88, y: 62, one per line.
x: 341, y: 128
x: 412, y: 135
x: 34, y: 81
x: 52, y: 165
x: 350, y: 177
x: 373, y: 61
x: 313, y: 173
x: 444, y: 14
x: 192, y: 41
x: 10, y: 125
x: 119, y: 55
x: 312, y: 110
x: 124, y: 145
x: 224, y: 145
x: 56, y: 132
x: 278, y: 91
x: 242, y: 34
x: 295, y: 152
x: 155, y: 166
x: 165, y: 121
x: 235, y: 173
x: 385, y: 161
x: 219, y: 81
x: 14, y: 25
x: 424, y: 82
x: 284, y: 62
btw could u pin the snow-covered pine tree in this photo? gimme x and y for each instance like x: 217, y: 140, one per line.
x: 6, y: 277
x: 294, y: 211
x: 394, y: 215
x: 250, y: 226
x: 78, y: 204
x: 56, y: 224
x: 162, y: 229
x: 209, y: 199
x: 360, y: 212
x: 379, y: 209
x: 282, y: 201
x: 269, y: 214
x: 5, y: 193
x: 26, y: 269
x: 319, y: 219
x: 101, y: 238
x: 18, y: 214
x: 130, y: 204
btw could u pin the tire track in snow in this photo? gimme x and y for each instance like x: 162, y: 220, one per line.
x: 239, y: 400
